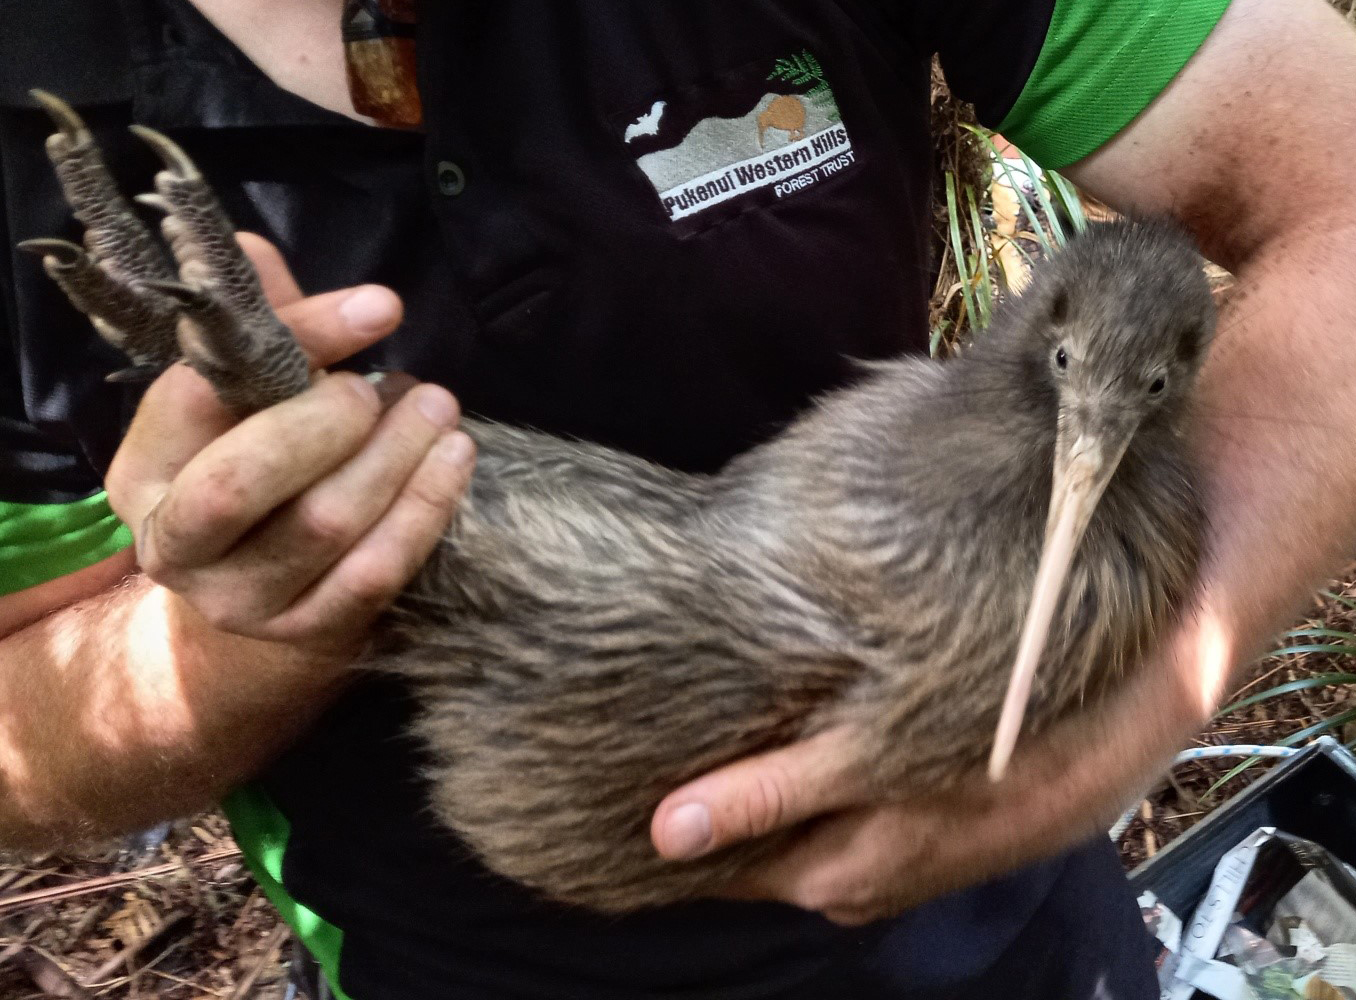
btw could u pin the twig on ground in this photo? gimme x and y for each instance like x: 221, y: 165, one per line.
x: 24, y: 900
x: 266, y: 958
x: 163, y: 926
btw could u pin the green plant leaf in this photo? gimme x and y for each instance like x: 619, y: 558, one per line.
x: 1331, y: 633
x: 957, y: 247
x: 1016, y: 244
x: 935, y: 340
x: 984, y: 294
x: 1318, y: 728
x: 1344, y: 601
x: 1015, y: 183
x: 1232, y: 773
x: 1309, y: 732
x: 1037, y: 175
x: 1069, y: 201
x: 1316, y: 647
x: 1303, y: 684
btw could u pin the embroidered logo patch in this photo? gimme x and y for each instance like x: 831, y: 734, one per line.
x: 765, y: 134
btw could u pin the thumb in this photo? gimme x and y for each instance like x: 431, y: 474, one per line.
x: 756, y: 796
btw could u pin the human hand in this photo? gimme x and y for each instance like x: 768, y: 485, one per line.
x: 860, y: 858
x: 301, y: 523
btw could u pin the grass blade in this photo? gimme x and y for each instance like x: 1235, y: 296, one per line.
x: 1317, y: 647
x: 1069, y: 201
x: 984, y: 294
x: 1322, y: 726
x: 958, y: 248
x: 1052, y: 217
x: 1331, y: 633
x: 1232, y: 773
x: 1344, y: 601
x: 1304, y: 684
x: 1017, y: 188
x: 935, y: 341
x: 1317, y: 729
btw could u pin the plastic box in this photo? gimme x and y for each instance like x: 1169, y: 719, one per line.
x: 1312, y: 795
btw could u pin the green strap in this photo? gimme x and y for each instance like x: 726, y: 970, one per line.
x: 262, y: 830
x: 41, y: 542
x: 1103, y: 62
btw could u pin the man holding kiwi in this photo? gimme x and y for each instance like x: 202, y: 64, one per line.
x: 664, y: 227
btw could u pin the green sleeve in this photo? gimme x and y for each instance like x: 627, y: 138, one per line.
x: 40, y: 542
x: 262, y: 832
x: 1102, y: 63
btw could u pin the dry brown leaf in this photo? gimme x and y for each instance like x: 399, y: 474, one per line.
x: 134, y: 921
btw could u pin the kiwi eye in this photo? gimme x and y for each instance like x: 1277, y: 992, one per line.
x: 1061, y: 359
x: 1158, y: 385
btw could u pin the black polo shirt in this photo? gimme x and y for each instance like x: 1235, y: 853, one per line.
x: 664, y: 226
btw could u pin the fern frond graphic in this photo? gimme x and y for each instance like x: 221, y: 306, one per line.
x: 803, y: 68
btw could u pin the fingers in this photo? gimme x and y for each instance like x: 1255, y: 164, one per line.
x: 875, y: 860
x: 305, y: 520
x: 310, y: 534
x: 379, y: 566
x: 238, y: 478
x: 287, y: 553
x: 756, y: 796
x: 180, y: 414
x: 312, y: 542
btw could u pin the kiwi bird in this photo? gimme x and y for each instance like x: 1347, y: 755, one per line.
x: 594, y: 630
x: 786, y: 113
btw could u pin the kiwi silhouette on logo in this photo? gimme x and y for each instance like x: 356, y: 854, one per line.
x: 786, y: 113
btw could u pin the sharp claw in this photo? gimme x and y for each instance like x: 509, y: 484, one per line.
x: 155, y: 201
x: 64, y: 251
x: 133, y: 374
x: 62, y: 114
x: 175, y: 159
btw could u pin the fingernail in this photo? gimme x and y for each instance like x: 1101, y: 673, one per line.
x: 437, y: 405
x: 454, y: 449
x: 368, y: 310
x: 391, y: 387
x: 687, y: 832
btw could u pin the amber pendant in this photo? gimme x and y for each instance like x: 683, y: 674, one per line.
x: 379, y: 50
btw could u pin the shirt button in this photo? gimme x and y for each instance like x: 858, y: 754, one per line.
x: 451, y: 179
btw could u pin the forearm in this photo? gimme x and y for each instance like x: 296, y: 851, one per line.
x: 297, y: 527
x: 127, y: 708
x: 1275, y: 430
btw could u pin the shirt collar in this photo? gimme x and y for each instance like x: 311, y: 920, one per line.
x: 187, y: 74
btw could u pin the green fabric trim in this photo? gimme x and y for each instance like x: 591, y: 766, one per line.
x: 1103, y: 62
x: 262, y: 830
x: 41, y: 542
